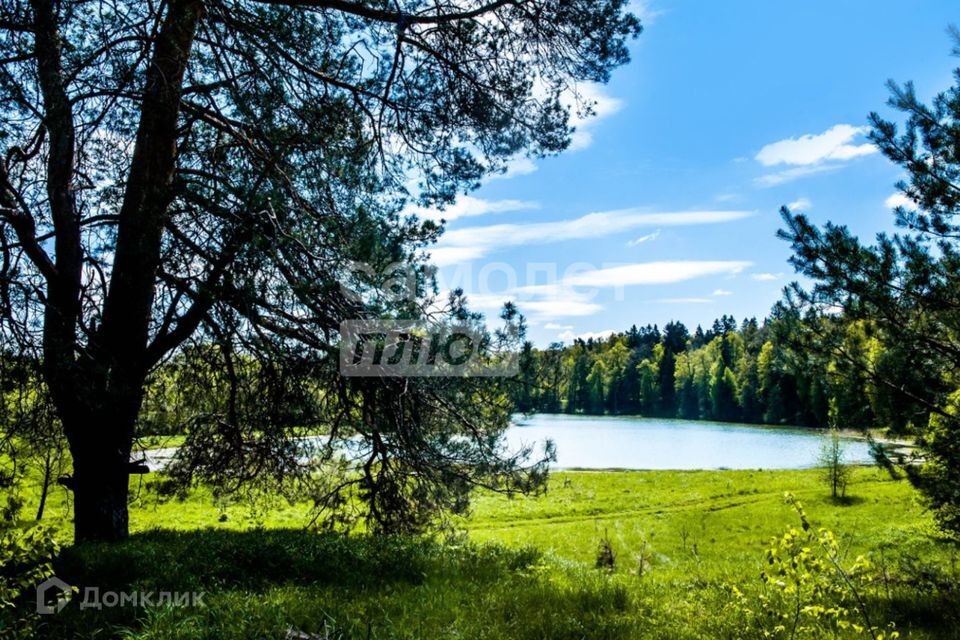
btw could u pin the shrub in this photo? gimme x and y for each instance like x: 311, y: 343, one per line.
x: 807, y: 592
x: 606, y: 556
x: 26, y: 555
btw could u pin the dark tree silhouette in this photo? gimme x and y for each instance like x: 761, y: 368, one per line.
x: 203, y: 170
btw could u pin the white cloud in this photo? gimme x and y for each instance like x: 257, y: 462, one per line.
x: 442, y: 256
x: 469, y: 206
x: 800, y: 204
x: 517, y: 167
x: 520, y: 166
x: 557, y: 327
x: 559, y: 308
x: 485, y: 301
x: 766, y: 277
x: 662, y: 272
x: 899, y: 200
x: 570, y: 336
x: 540, y: 304
x: 588, y: 105
x: 722, y: 292
x: 788, y: 175
x: 474, y: 242
x: 831, y: 145
x: 580, y: 139
x: 575, y: 295
x: 602, y: 106
x: 682, y: 301
x: 812, y: 153
x: 646, y: 238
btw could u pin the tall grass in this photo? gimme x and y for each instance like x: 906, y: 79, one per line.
x: 267, y: 583
x: 681, y: 541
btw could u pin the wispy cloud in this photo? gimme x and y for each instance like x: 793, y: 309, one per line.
x: 800, y: 204
x: 557, y: 327
x: 682, y: 301
x: 646, y: 238
x: 721, y: 292
x: 575, y: 294
x: 564, y: 308
x: 471, y: 243
x: 442, y: 256
x: 661, y: 272
x: 542, y: 305
x: 812, y: 153
x: 469, y: 206
x: 788, y: 175
x: 832, y: 144
x: 766, y: 277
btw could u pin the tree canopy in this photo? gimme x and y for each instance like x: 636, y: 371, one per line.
x: 202, y: 172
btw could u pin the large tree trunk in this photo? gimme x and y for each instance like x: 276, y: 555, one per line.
x: 99, y: 421
x: 100, y: 490
x: 100, y: 444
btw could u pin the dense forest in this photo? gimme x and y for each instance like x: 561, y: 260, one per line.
x: 749, y: 371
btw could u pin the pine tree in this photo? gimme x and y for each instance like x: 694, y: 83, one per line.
x: 906, y: 286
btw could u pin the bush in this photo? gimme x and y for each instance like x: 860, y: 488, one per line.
x: 606, y: 556
x: 26, y: 556
x: 807, y: 592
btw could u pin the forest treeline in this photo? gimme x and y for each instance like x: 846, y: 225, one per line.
x: 748, y: 371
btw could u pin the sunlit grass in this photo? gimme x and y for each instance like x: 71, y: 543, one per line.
x: 681, y: 539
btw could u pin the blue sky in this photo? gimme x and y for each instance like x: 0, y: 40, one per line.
x: 666, y: 205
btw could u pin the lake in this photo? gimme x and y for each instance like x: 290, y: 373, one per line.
x: 604, y: 442
x: 619, y: 442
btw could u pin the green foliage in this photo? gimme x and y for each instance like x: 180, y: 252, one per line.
x: 749, y: 373
x: 649, y: 392
x: 26, y: 555
x: 894, y: 344
x: 808, y: 591
x: 263, y: 207
x: 417, y: 446
x: 836, y: 474
x: 939, y: 476
x: 606, y: 555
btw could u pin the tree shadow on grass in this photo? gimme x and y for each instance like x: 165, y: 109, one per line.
x: 259, y: 581
x: 846, y: 501
x: 209, y: 559
x: 217, y: 561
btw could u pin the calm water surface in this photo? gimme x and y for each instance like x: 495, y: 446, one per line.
x: 603, y: 442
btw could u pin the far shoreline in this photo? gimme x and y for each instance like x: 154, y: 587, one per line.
x: 852, y: 434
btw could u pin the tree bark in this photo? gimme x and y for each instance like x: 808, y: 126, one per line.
x: 100, y: 490
x: 98, y: 394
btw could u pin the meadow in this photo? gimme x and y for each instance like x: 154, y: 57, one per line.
x: 674, y: 547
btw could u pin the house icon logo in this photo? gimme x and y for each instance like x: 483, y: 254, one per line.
x: 53, y: 587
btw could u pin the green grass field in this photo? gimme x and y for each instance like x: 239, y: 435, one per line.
x: 525, y: 569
